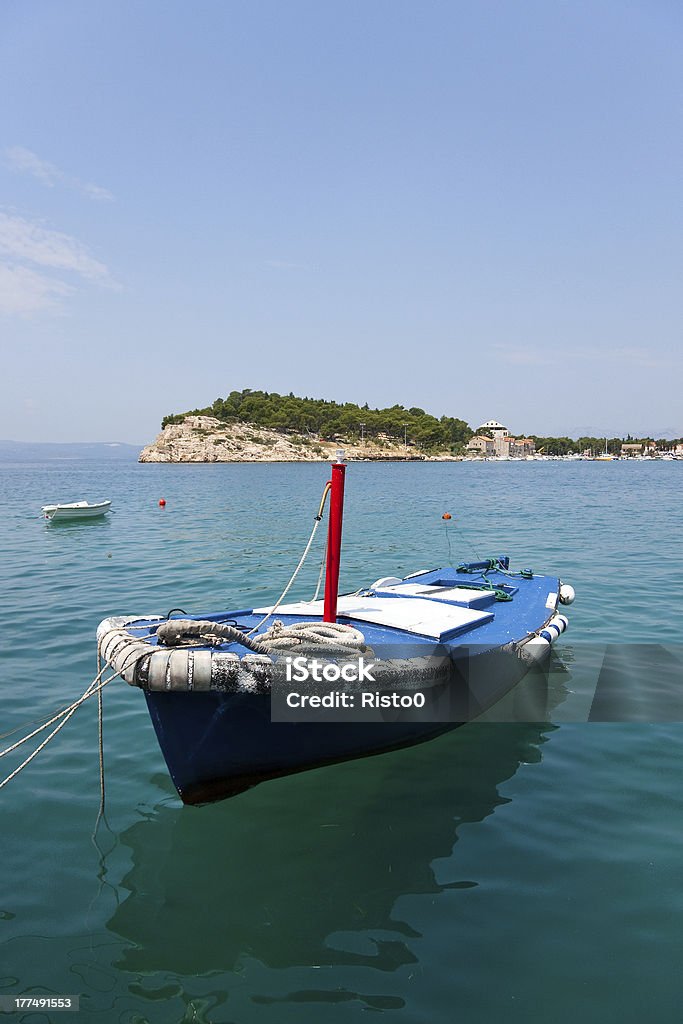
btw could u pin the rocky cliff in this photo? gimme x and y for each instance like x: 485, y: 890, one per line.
x: 205, y: 439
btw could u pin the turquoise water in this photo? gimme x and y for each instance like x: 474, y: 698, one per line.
x: 508, y: 872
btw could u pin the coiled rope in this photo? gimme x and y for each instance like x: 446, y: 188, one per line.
x: 330, y: 637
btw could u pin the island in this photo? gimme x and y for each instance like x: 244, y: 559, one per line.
x: 262, y: 426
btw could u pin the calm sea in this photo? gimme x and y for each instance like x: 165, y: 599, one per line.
x: 505, y: 872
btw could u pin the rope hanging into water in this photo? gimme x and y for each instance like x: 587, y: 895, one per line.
x: 61, y: 717
x: 100, y: 743
x: 457, y: 526
x: 64, y: 715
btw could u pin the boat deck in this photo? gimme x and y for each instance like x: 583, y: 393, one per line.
x: 435, y: 610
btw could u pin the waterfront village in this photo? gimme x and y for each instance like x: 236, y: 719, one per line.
x: 492, y: 440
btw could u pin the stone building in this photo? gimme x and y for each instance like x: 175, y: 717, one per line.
x: 503, y: 443
x: 480, y: 445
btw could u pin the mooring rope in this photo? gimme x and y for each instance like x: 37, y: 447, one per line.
x: 448, y: 540
x: 466, y: 538
x: 100, y: 739
x: 68, y: 710
x: 101, y: 815
x: 294, y: 575
x: 41, y: 746
x: 96, y: 686
x: 276, y: 636
x: 320, y: 574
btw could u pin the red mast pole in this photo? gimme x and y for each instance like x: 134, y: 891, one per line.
x: 334, y: 535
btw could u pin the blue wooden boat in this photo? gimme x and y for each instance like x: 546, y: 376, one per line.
x: 242, y: 696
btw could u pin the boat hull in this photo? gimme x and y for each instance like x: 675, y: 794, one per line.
x: 220, y: 744
x: 460, y: 638
x: 76, y: 510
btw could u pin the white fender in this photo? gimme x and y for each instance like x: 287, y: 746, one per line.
x: 535, y: 649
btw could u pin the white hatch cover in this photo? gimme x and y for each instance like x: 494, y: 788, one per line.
x: 436, y: 620
x: 453, y: 595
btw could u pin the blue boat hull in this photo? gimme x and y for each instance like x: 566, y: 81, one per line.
x: 219, y: 744
x: 220, y: 736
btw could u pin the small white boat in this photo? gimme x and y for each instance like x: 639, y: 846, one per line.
x: 76, y: 510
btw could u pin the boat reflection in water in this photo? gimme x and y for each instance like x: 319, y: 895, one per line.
x: 307, y: 871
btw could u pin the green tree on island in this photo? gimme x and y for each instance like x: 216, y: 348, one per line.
x: 334, y: 421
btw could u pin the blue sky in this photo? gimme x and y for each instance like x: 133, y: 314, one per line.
x: 473, y: 207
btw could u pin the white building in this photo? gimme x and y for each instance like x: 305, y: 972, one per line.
x: 492, y: 428
x: 503, y: 444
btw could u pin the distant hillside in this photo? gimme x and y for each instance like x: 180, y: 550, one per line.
x: 207, y: 439
x: 331, y: 421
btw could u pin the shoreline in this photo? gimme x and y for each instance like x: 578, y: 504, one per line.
x: 412, y: 460
x: 204, y: 439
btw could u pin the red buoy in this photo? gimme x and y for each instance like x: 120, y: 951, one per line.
x: 446, y: 515
x: 162, y: 502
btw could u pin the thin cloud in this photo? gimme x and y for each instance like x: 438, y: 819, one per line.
x: 33, y: 262
x: 24, y: 291
x: 18, y: 158
x: 22, y: 240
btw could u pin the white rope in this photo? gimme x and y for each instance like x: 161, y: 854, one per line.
x: 96, y: 686
x: 33, y: 721
x: 100, y: 738
x: 320, y: 637
x: 320, y: 575
x: 291, y: 581
x: 38, y: 749
x: 318, y: 518
x: 68, y: 710
x: 278, y: 637
x: 41, y: 746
